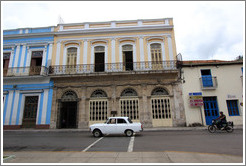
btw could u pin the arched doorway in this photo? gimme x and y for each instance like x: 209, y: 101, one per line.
x: 129, y: 104
x: 161, y: 108
x: 68, y: 110
x: 98, y: 107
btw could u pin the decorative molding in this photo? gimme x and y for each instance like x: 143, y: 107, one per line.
x: 155, y: 37
x: 110, y: 37
x: 98, y: 40
x: 126, y: 39
x: 72, y: 41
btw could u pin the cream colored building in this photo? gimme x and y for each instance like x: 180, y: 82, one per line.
x: 221, y: 85
x: 123, y: 68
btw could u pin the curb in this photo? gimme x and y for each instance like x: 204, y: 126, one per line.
x: 145, y: 129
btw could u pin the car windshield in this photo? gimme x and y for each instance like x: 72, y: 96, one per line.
x: 129, y: 120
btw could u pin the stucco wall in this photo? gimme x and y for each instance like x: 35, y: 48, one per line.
x: 229, y: 79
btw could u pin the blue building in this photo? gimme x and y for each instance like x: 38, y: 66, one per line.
x: 27, y: 88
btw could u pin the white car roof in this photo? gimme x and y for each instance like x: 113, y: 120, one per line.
x: 119, y: 117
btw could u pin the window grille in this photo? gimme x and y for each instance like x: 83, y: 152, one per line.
x: 159, y: 91
x: 98, y: 110
x: 129, y: 92
x: 31, y: 105
x: 6, y: 55
x: 161, y: 108
x: 98, y: 94
x: 37, y: 53
x: 127, y: 48
x: 232, y: 106
x: 99, y: 49
x: 69, y: 96
x: 129, y: 108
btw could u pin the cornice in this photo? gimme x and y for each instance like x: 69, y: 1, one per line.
x: 114, y: 29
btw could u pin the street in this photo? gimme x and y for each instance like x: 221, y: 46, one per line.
x: 148, y: 141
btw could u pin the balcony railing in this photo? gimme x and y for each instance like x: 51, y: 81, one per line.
x: 25, y: 71
x: 112, y: 67
x: 208, y: 82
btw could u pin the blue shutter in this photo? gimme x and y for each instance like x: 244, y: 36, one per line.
x: 207, y: 81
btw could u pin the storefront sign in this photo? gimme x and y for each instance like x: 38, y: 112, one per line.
x: 196, y: 99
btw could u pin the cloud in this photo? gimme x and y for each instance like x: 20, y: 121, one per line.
x: 203, y: 30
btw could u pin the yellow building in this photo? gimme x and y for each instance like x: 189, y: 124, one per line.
x: 123, y: 68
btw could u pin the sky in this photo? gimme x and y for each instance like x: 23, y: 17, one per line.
x: 203, y: 29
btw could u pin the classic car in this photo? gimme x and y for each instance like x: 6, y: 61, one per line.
x: 116, y: 125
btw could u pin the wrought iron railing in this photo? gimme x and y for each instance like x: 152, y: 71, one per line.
x: 25, y: 71
x: 112, y: 67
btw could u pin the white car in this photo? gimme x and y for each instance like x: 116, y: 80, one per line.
x: 116, y: 125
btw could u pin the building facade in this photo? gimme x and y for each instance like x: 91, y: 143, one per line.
x: 27, y: 89
x: 123, y: 68
x: 219, y: 86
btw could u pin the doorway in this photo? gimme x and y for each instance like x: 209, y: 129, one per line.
x: 128, y: 60
x: 68, y: 115
x: 211, y: 109
x: 36, y: 62
x: 30, y: 112
x: 99, y: 62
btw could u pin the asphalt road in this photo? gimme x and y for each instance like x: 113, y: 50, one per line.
x: 147, y: 141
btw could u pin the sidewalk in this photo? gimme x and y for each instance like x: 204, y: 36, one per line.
x: 120, y: 157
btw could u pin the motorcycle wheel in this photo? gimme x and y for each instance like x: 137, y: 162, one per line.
x: 229, y: 129
x: 211, y: 129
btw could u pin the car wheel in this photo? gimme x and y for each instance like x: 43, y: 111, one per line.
x: 97, y: 133
x: 129, y: 133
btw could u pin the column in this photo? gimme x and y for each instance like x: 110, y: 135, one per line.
x: 113, y: 55
x: 82, y: 123
x: 23, y: 55
x: 141, y: 46
x: 170, y: 47
x: 58, y: 50
x: 85, y: 55
x: 49, y: 55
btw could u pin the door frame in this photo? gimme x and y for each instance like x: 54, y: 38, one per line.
x: 208, y: 119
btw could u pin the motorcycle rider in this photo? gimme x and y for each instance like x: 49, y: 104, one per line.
x: 222, y: 120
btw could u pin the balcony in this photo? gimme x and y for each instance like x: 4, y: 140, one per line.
x: 25, y: 71
x: 208, y: 82
x: 112, y: 68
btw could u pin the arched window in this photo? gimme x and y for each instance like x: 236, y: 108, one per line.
x: 129, y: 92
x: 159, y: 92
x: 156, y: 56
x: 69, y: 96
x: 98, y: 94
x: 71, y: 56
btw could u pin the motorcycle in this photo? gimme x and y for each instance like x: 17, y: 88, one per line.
x: 227, y: 127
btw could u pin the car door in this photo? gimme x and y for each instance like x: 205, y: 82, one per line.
x: 111, y: 127
x: 121, y: 125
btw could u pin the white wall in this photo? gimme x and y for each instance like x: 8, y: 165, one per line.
x: 229, y: 83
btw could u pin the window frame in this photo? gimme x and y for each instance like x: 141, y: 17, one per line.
x: 230, y: 110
